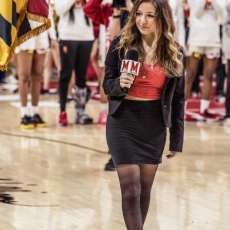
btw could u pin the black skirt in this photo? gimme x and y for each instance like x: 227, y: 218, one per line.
x: 136, y: 133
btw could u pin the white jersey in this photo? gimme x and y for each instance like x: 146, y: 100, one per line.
x: 178, y: 16
x: 204, y: 23
x: 226, y: 30
x: 78, y: 30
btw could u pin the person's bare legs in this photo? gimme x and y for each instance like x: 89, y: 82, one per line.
x: 37, y: 68
x: 191, y: 66
x: 94, y: 58
x: 24, y: 65
x: 48, y: 63
x: 52, y: 57
x: 209, y: 70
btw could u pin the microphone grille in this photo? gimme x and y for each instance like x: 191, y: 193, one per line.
x: 132, y: 55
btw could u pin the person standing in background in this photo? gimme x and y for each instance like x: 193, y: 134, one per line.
x: 226, y: 51
x: 76, y: 39
x: 52, y: 56
x: 30, y: 63
x: 178, y: 17
x: 203, y: 42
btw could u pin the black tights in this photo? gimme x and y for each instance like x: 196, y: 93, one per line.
x: 136, y: 183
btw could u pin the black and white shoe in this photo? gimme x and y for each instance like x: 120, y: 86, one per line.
x: 38, y: 121
x: 26, y: 122
x: 84, y: 119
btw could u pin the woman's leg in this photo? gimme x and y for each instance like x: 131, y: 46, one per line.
x: 94, y: 58
x: 147, y: 175
x: 192, y: 67
x: 129, y: 178
x: 24, y: 76
x: 37, y: 68
x: 191, y: 73
x: 209, y: 70
x: 47, y: 70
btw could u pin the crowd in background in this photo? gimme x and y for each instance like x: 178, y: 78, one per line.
x: 73, y: 52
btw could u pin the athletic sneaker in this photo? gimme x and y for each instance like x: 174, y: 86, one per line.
x: 84, y: 119
x: 63, y: 121
x: 26, y: 122
x: 38, y: 121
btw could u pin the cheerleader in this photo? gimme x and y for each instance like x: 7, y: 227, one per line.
x: 226, y: 51
x: 30, y: 61
x: 203, y: 42
x: 178, y: 16
x: 76, y: 40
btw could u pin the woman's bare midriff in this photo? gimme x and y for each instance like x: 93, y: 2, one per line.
x: 137, y: 98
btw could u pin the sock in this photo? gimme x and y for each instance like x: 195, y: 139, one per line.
x: 34, y: 110
x: 24, y: 111
x: 204, y: 104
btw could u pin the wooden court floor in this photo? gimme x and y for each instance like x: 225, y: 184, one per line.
x: 53, y: 178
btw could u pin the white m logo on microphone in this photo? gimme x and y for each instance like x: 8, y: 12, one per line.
x: 130, y: 67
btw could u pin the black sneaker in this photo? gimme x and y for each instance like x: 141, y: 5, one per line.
x: 26, y: 122
x: 84, y: 119
x: 109, y: 166
x: 37, y: 121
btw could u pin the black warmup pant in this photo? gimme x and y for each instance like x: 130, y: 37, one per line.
x: 227, y: 102
x: 220, y: 77
x: 74, y: 56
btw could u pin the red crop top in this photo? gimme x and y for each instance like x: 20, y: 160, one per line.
x: 149, y: 83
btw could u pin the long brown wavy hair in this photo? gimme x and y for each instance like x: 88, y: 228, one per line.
x: 166, y: 51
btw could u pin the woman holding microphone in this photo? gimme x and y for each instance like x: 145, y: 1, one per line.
x: 140, y: 110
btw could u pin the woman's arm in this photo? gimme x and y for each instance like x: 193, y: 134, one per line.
x: 63, y: 6
x: 177, y: 128
x: 111, y: 83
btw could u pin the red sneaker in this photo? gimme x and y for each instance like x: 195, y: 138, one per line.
x: 63, y: 121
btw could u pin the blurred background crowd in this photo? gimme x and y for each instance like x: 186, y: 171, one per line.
x: 67, y: 62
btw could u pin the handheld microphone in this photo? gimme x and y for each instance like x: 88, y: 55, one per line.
x: 130, y: 64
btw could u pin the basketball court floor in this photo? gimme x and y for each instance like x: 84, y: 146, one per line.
x: 53, y: 179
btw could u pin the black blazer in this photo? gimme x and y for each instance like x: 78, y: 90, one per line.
x: 172, y: 98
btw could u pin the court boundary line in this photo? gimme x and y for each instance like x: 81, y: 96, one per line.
x: 52, y: 141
